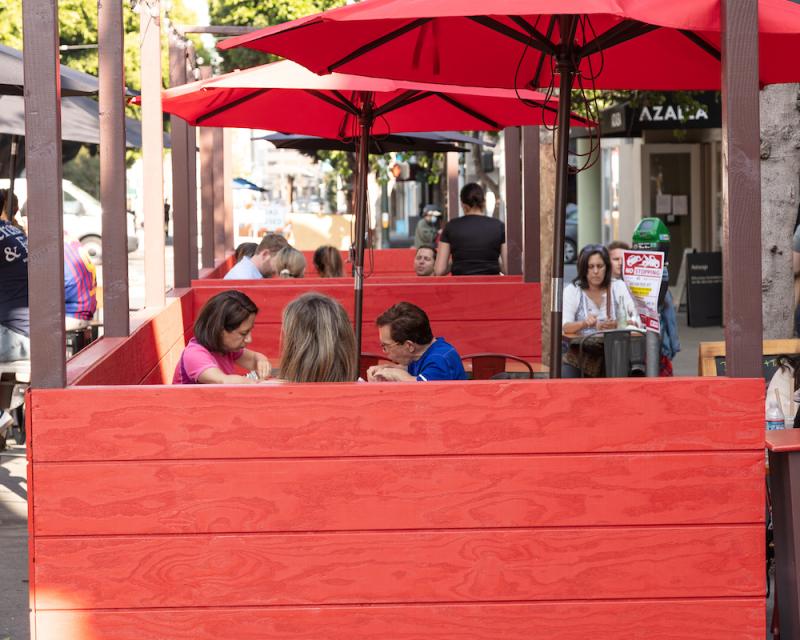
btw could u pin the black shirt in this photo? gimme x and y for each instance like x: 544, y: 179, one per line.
x: 475, y: 242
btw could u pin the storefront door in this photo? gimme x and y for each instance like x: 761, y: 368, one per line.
x: 671, y: 191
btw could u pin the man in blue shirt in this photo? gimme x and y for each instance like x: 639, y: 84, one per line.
x: 407, y: 340
x: 261, y: 264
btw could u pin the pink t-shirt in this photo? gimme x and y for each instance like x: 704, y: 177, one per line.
x: 196, y: 359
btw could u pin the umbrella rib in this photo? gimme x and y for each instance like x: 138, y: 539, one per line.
x: 403, y: 100
x: 230, y: 105
x: 540, y: 65
x: 374, y: 44
x: 705, y: 46
x: 342, y: 104
x: 468, y: 110
x: 534, y: 33
x: 499, y: 27
x: 624, y: 31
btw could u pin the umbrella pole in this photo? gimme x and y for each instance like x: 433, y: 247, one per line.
x: 361, y: 220
x: 12, y: 169
x: 567, y: 74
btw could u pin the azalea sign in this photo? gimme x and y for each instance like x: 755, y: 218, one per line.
x: 642, y: 272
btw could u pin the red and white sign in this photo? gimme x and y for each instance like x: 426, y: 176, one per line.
x: 642, y: 272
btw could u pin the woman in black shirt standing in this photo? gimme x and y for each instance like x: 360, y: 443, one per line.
x: 476, y: 243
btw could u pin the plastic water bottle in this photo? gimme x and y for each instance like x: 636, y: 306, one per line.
x: 621, y: 313
x: 775, y: 418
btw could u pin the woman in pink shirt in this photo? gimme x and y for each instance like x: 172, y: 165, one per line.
x: 222, y: 332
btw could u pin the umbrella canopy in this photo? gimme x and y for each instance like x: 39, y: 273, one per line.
x: 80, y: 121
x: 284, y: 96
x: 73, y: 83
x: 595, y: 44
x: 618, y: 44
x: 405, y: 142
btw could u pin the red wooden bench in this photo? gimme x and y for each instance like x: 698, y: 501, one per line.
x: 494, y: 510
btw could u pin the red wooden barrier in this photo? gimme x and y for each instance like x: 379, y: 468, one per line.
x: 490, y: 510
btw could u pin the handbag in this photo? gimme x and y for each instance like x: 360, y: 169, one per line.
x: 587, y: 353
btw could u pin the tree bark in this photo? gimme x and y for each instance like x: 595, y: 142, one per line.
x: 780, y: 194
x: 547, y: 193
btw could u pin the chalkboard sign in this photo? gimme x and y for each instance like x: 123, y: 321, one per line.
x: 704, y: 289
x: 769, y: 365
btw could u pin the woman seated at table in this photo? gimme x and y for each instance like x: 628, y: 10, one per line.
x: 592, y: 301
x: 317, y: 341
x: 222, y: 332
x: 290, y: 263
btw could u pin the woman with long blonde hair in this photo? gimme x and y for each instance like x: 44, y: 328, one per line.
x: 317, y: 341
x: 290, y: 263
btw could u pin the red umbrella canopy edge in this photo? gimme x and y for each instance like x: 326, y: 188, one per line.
x: 619, y: 44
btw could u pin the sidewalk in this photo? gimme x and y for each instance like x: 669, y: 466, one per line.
x: 14, y: 623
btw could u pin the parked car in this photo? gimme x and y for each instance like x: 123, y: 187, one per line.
x: 82, y: 216
x: 571, y: 234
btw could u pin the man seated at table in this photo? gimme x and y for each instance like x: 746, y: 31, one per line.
x: 406, y: 338
x: 424, y: 260
x: 261, y: 264
x: 80, y: 285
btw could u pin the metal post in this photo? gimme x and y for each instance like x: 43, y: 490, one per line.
x: 179, y: 138
x: 207, y: 188
x: 152, y: 154
x: 361, y: 217
x: 513, y: 201
x: 113, y: 192
x: 218, y: 141
x: 530, y: 205
x: 453, y: 204
x: 741, y: 189
x: 227, y: 190
x: 191, y: 168
x: 43, y: 159
x: 567, y: 73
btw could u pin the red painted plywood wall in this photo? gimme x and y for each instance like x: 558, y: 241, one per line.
x: 492, y: 510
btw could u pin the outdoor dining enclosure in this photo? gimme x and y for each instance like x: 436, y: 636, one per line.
x: 498, y: 509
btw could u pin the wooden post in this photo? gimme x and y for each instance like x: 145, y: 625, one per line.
x: 43, y: 160
x: 227, y: 189
x: 207, y: 188
x: 513, y: 201
x: 741, y: 188
x: 152, y: 154
x: 453, y: 203
x: 219, y: 193
x: 530, y: 205
x: 113, y: 196
x: 179, y: 139
x: 191, y: 169
x: 547, y: 203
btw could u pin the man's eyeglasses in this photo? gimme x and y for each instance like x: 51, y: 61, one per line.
x: 386, y: 346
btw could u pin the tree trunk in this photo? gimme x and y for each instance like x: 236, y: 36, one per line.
x: 547, y: 200
x: 780, y: 194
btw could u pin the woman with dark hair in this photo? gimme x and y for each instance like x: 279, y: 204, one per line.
x: 593, y: 300
x: 317, y: 341
x: 328, y: 262
x: 222, y: 332
x: 476, y: 242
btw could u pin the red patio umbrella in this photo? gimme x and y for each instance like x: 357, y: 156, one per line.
x: 604, y: 44
x: 284, y: 96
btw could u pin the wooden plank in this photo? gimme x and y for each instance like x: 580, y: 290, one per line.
x: 451, y: 301
x: 348, y: 280
x: 701, y: 619
x: 413, y: 567
x: 513, y: 180
x: 395, y: 493
x: 476, y: 417
x: 164, y: 371
x: 708, y: 351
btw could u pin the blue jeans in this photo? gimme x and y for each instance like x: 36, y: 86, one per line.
x: 13, y: 345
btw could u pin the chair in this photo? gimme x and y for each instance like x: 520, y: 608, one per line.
x: 493, y: 365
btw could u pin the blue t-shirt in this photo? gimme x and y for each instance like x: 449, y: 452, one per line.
x: 14, y: 313
x: 244, y: 270
x: 439, y: 362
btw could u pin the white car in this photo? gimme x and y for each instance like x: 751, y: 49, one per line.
x: 82, y: 216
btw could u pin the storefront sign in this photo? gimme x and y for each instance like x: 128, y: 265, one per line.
x: 704, y: 289
x: 642, y: 272
x: 624, y: 120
